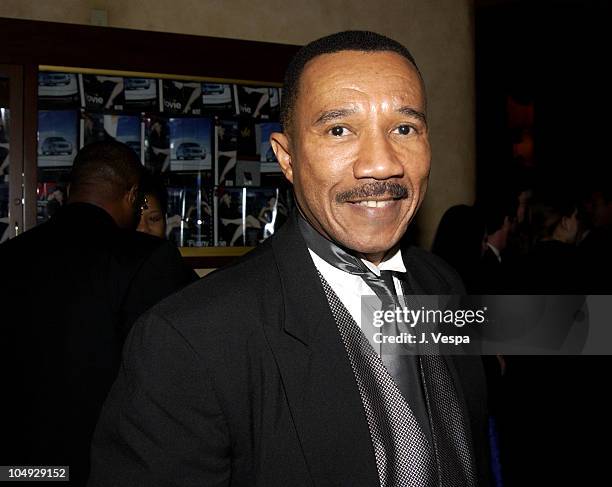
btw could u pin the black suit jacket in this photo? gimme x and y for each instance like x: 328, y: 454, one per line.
x: 595, y: 254
x: 71, y: 289
x: 242, y: 380
x: 493, y: 276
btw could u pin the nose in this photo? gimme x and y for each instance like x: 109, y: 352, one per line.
x: 377, y: 158
x: 143, y: 225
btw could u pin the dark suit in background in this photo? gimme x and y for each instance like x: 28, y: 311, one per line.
x: 554, y: 407
x: 71, y: 288
x: 596, y: 258
x: 242, y: 379
x: 493, y: 275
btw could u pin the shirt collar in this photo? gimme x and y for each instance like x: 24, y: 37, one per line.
x: 394, y: 263
x: 495, y: 251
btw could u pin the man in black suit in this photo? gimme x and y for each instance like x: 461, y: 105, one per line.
x: 500, y: 216
x: 72, y: 287
x: 260, y: 374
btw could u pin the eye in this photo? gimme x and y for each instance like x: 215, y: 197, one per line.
x: 338, y: 131
x: 155, y: 218
x: 404, y: 129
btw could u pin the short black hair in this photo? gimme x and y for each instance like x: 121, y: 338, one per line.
x: 107, y: 166
x: 350, y: 40
x: 459, y: 238
x: 548, y: 208
x: 497, y: 207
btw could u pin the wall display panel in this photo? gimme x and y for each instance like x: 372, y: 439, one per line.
x: 181, y: 97
x: 248, y: 173
x: 157, y: 144
x: 140, y: 94
x: 124, y: 128
x: 190, y: 220
x: 257, y: 102
x: 103, y: 92
x: 89, y: 78
x: 218, y: 99
x: 247, y: 216
x: 57, y: 137
x: 208, y: 141
x: 190, y: 144
x: 4, y: 160
x: 266, y: 154
x: 226, y: 152
x: 248, y: 147
x: 254, y: 140
x: 13, y: 184
x: 58, y: 91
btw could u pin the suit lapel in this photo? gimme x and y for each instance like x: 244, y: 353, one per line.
x: 320, y: 386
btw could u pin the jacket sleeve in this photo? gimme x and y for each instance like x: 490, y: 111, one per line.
x: 163, y: 273
x: 162, y: 423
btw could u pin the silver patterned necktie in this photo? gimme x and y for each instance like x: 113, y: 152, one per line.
x: 450, y: 432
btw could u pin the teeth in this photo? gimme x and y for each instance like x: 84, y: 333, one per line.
x: 374, y: 204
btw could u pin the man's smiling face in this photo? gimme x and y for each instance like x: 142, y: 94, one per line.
x: 357, y: 151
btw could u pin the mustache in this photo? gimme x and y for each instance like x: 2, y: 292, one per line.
x: 380, y: 188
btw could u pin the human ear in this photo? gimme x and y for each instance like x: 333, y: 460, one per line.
x: 280, y: 146
x: 566, y: 223
x: 132, y: 195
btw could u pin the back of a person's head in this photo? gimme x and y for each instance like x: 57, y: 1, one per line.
x: 548, y: 209
x: 497, y: 207
x: 459, y: 237
x: 105, y: 169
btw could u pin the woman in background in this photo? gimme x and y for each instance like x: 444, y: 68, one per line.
x: 153, y: 209
x: 552, y: 266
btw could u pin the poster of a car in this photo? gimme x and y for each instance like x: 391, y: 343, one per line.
x: 218, y: 99
x: 181, y: 97
x: 190, y: 144
x: 103, y: 93
x: 58, y: 90
x: 57, y: 137
x: 140, y: 94
x: 127, y: 129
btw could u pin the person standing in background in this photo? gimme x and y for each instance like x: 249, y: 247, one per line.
x: 152, y: 218
x: 75, y: 284
x: 500, y: 214
x: 461, y: 240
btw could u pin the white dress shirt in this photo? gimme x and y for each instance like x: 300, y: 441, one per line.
x: 495, y: 250
x: 350, y: 288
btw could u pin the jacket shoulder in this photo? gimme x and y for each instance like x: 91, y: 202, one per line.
x: 234, y: 294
